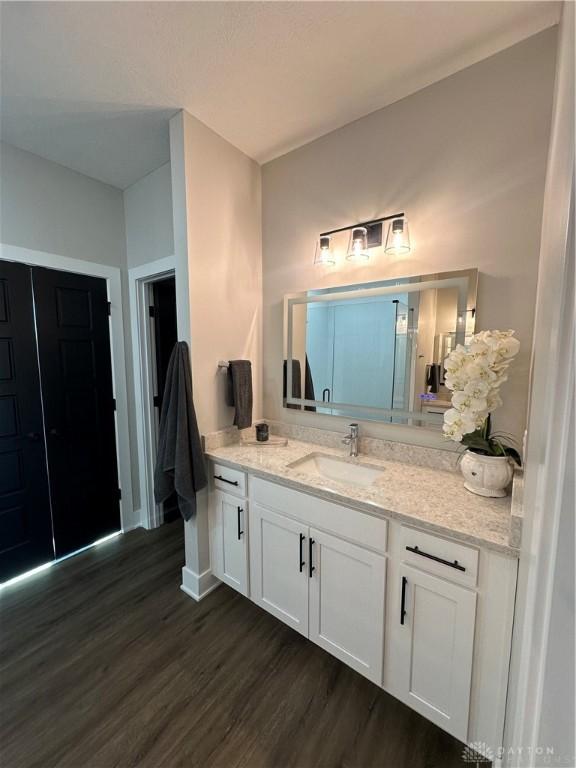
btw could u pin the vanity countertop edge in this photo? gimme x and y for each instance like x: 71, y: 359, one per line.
x: 446, y: 518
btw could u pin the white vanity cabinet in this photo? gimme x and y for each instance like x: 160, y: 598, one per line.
x: 432, y: 627
x: 433, y: 655
x: 279, y: 576
x: 425, y: 616
x: 319, y: 574
x: 228, y: 521
x: 347, y: 597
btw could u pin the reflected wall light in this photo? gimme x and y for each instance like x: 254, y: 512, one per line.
x: 363, y: 236
x: 398, y: 237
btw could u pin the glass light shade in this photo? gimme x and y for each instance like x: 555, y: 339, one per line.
x: 324, y: 253
x: 358, y: 248
x: 398, y: 237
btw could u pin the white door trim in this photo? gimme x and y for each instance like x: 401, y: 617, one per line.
x: 112, y: 276
x: 138, y: 280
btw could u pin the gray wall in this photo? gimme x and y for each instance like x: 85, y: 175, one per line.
x: 46, y: 207
x: 465, y: 159
x: 148, y: 211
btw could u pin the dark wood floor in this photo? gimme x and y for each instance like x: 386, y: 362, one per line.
x: 105, y: 663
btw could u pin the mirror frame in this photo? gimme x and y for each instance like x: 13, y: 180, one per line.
x: 466, y: 280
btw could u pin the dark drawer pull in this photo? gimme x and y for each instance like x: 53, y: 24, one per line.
x: 403, y: 600
x: 240, y: 531
x: 230, y: 482
x: 454, y: 564
x: 300, y: 560
x: 311, y: 568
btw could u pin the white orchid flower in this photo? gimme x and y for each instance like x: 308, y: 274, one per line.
x: 475, y: 373
x: 477, y: 389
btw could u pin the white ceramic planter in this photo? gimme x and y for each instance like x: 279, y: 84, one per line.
x: 486, y: 475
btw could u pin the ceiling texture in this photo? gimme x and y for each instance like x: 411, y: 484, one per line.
x: 92, y: 85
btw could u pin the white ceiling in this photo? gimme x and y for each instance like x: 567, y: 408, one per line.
x: 91, y: 85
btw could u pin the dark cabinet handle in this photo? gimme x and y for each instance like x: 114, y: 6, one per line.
x: 326, y: 395
x: 403, y: 601
x: 33, y: 436
x: 230, y: 482
x: 311, y: 567
x: 240, y: 531
x: 54, y: 432
x: 301, y: 562
x: 454, y: 564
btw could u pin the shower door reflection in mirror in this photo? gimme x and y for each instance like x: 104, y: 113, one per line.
x: 376, y: 350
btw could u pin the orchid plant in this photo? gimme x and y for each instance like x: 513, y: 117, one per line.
x: 475, y: 372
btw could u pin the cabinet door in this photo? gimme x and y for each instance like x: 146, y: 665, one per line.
x: 434, y: 648
x: 347, y: 593
x: 229, y: 540
x: 278, y: 572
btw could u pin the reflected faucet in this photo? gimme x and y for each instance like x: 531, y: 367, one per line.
x: 352, y: 439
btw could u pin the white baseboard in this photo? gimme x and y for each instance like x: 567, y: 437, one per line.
x: 198, y: 585
x: 131, y: 527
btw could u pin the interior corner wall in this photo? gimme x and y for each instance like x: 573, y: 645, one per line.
x: 216, y: 197
x: 224, y: 262
x: 47, y: 207
x: 149, y: 223
x: 465, y: 158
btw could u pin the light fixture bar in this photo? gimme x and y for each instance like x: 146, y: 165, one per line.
x: 365, y: 224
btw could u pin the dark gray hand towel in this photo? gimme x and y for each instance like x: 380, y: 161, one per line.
x: 180, y: 461
x: 240, y: 391
x: 433, y: 377
x: 296, y: 382
x: 308, y: 386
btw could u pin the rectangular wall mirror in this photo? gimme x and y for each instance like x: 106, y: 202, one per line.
x: 376, y: 350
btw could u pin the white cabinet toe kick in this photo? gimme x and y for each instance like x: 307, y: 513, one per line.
x: 425, y: 617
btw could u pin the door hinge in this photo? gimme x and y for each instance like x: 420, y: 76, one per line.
x: 109, y: 303
x: 113, y: 403
x: 119, y: 494
x: 151, y: 311
x: 156, y: 401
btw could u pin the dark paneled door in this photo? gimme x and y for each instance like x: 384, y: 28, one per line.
x: 25, y: 524
x: 75, y: 363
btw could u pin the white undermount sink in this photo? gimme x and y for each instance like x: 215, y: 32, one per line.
x: 340, y: 469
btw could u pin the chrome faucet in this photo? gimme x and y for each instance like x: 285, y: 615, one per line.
x: 352, y: 440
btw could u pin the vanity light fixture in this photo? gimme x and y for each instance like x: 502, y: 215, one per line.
x: 363, y: 236
x: 324, y: 253
x: 358, y: 248
x: 398, y: 237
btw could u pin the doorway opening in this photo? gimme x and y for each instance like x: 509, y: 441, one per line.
x: 163, y: 335
x: 153, y: 308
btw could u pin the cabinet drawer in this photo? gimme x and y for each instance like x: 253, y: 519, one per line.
x: 229, y: 480
x: 367, y: 530
x: 442, y: 557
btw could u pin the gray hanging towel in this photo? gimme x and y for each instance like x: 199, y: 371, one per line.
x: 308, y: 386
x: 296, y: 382
x: 179, y: 462
x: 240, y: 391
x: 433, y: 377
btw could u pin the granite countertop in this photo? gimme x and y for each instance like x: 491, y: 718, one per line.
x: 431, y: 499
